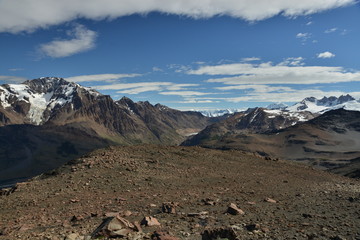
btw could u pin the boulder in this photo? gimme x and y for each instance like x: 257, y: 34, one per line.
x: 115, y: 227
x: 162, y: 236
x: 234, y: 210
x: 150, y: 221
x: 169, y: 207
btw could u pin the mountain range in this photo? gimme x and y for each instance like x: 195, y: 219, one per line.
x: 329, y: 141
x: 48, y: 121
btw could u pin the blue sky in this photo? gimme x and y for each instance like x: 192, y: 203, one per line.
x: 208, y: 54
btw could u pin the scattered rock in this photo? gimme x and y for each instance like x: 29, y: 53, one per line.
x: 252, y: 227
x: 203, y: 213
x: 126, y: 213
x: 169, y: 207
x: 209, y: 202
x: 76, y: 218
x: 73, y: 236
x: 25, y: 227
x: 338, y: 237
x: 220, y: 233
x: 352, y: 199
x: 111, y: 214
x: 162, y: 236
x: 150, y: 221
x: 306, y: 215
x: 270, y: 200
x: 7, y: 191
x: 234, y: 210
x: 138, y: 227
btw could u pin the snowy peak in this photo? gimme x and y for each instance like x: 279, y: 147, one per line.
x: 48, y: 84
x: 219, y: 112
x: 325, y: 104
x: 37, y: 98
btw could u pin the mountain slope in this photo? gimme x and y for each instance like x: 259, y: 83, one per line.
x: 328, y: 141
x: 28, y: 150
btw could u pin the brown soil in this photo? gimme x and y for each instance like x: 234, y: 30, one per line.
x: 309, y: 204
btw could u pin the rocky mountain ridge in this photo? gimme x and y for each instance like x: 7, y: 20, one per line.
x: 325, y: 104
x: 309, y: 104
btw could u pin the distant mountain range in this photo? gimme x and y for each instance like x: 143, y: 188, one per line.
x: 325, y: 104
x: 219, y: 112
x: 327, y: 141
x: 309, y: 104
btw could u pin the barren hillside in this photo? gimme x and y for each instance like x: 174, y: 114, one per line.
x: 188, y: 190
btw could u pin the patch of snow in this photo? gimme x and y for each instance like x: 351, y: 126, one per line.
x: 191, y: 134
x: 219, y: 112
x: 4, y: 97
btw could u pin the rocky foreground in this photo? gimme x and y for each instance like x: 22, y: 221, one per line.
x: 169, y: 193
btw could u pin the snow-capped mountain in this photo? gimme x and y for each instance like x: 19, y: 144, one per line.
x: 54, y: 101
x: 314, y: 105
x: 219, y: 112
x: 38, y: 98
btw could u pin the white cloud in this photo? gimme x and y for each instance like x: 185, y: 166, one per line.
x: 275, y: 93
x: 157, y: 69
x: 82, y: 40
x: 184, y: 93
x: 15, y: 69
x: 140, y: 87
x: 285, y: 96
x: 303, y: 36
x: 293, y: 61
x: 110, y: 77
x: 223, y: 69
x: 260, y: 88
x: 12, y: 79
x: 189, y: 101
x: 21, y: 15
x: 331, y: 30
x: 309, y: 23
x: 325, y: 55
x: 251, y: 59
x: 269, y: 73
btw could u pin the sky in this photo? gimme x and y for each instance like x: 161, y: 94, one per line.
x: 204, y: 54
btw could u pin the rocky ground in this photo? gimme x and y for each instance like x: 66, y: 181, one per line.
x: 169, y: 193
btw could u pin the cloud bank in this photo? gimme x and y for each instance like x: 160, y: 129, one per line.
x: 140, y: 87
x: 28, y: 15
x: 82, y: 40
x: 108, y: 77
x: 282, y: 73
x: 12, y: 79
